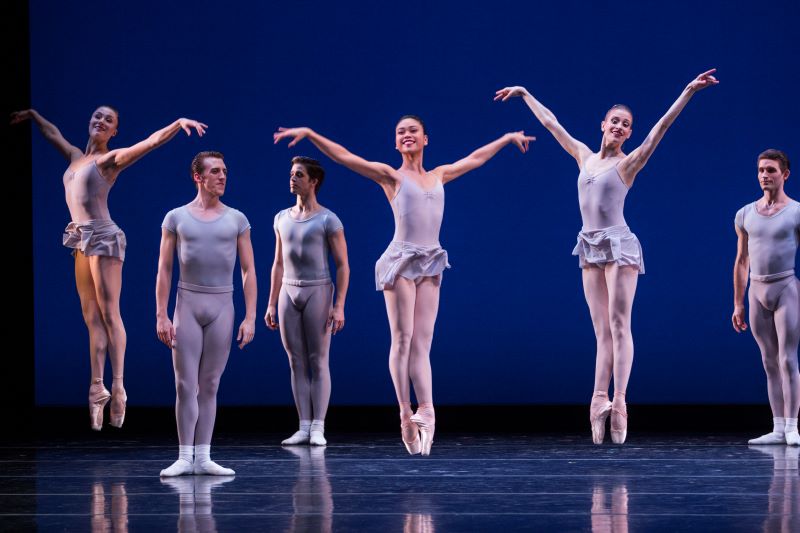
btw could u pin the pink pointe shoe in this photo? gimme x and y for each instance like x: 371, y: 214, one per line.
x: 98, y: 398
x: 619, y: 419
x: 425, y: 419
x: 409, y: 432
x: 117, y: 411
x: 599, y: 410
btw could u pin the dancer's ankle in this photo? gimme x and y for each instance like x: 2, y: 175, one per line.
x: 405, y: 410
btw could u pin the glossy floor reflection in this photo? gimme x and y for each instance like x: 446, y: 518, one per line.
x: 369, y: 483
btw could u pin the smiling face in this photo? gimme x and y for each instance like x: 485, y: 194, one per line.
x: 770, y: 176
x: 103, y: 124
x: 410, y: 136
x: 617, y: 126
x: 213, y: 176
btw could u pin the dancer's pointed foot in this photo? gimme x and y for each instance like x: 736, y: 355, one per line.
x: 599, y: 410
x: 425, y: 419
x: 409, y: 432
x: 98, y: 398
x: 619, y: 418
x: 119, y: 400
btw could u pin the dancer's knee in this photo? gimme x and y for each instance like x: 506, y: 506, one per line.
x: 297, y: 362
x: 401, y: 344
x: 771, y: 364
x: 208, y: 386
x: 620, y: 327
x: 318, y: 363
x: 605, y: 340
x: 111, y: 318
x: 788, y: 363
x: 185, y: 389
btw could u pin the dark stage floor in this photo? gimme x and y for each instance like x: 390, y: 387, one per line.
x: 369, y: 483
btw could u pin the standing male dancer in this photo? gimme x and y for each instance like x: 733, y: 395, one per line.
x: 207, y: 236
x: 301, y: 295
x: 769, y: 234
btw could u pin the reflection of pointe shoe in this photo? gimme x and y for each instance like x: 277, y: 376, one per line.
x: 409, y: 433
x: 418, y: 523
x: 619, y: 419
x: 98, y: 398
x: 425, y: 419
x: 116, y: 414
x: 599, y: 410
x: 773, y: 437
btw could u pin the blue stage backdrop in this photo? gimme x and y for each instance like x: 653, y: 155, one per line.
x: 513, y: 326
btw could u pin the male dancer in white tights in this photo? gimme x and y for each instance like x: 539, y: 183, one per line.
x: 769, y: 235
x: 207, y: 236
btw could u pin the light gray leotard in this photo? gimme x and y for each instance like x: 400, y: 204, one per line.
x: 206, y: 249
x: 772, y: 241
x: 415, y: 251
x: 605, y: 236
x: 304, y: 244
x: 91, y: 231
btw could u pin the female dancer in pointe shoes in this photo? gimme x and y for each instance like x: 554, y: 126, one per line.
x: 301, y: 295
x: 98, y: 243
x: 410, y: 271
x: 610, y: 256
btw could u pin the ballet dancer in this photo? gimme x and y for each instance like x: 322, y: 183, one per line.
x: 768, y: 232
x: 609, y: 254
x: 97, y: 243
x: 410, y: 271
x: 207, y: 235
x: 301, y: 295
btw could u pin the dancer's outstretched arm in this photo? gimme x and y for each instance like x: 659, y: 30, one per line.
x: 49, y: 131
x: 635, y: 161
x: 338, y: 246
x: 276, y: 281
x: 381, y: 173
x: 740, y: 269
x: 247, y: 329
x: 574, y: 147
x: 164, y: 328
x: 482, y: 155
x: 117, y: 160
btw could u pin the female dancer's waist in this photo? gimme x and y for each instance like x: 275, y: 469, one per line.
x: 99, y: 226
x: 603, y: 233
x: 414, y: 246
